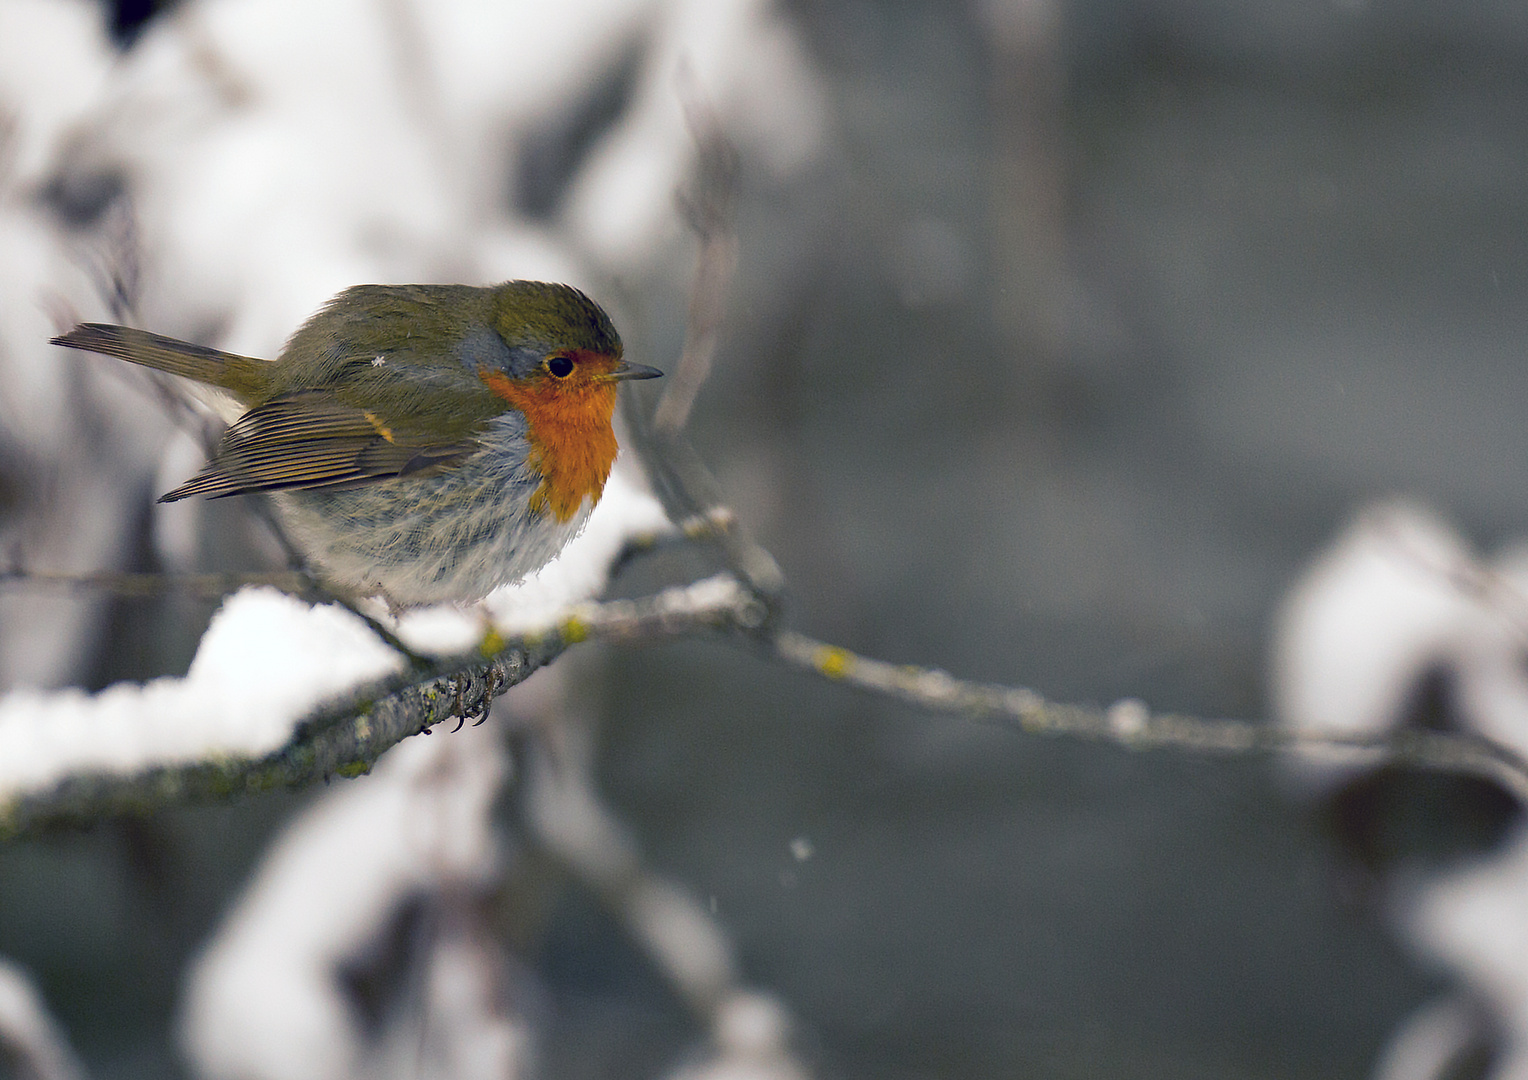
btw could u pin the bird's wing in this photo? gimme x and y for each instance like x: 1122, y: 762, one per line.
x: 308, y: 439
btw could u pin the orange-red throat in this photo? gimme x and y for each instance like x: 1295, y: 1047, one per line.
x: 568, y: 424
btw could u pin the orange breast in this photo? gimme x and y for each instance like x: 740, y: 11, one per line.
x: 572, y: 443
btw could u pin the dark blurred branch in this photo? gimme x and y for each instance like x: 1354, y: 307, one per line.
x: 707, y: 207
x: 1029, y: 185
x: 123, y: 583
x: 680, y: 480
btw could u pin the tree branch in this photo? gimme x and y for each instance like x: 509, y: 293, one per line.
x: 347, y: 736
x: 708, y: 209
x: 1129, y: 723
x: 125, y: 583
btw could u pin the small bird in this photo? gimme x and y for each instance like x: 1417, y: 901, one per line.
x: 424, y: 443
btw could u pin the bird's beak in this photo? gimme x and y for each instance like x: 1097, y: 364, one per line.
x: 624, y: 370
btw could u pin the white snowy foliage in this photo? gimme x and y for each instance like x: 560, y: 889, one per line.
x: 276, y: 152
x: 1473, y: 921
x: 29, y: 1037
x: 54, y: 62
x: 264, y: 662
x: 264, y: 1000
x: 73, y: 439
x: 1398, y: 596
x: 274, y: 168
x: 267, y: 660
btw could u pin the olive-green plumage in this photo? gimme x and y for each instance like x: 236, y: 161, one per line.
x: 399, y: 388
x: 245, y: 376
x: 384, y: 381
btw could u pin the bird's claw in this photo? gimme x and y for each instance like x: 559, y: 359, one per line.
x: 492, y: 680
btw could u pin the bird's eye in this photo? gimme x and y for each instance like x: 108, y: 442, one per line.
x: 561, y: 366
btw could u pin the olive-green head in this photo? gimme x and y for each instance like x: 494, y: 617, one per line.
x: 540, y: 317
x: 512, y: 330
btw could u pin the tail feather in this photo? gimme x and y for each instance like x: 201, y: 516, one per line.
x: 245, y: 376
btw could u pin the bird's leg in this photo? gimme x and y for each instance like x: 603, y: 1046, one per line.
x: 320, y: 592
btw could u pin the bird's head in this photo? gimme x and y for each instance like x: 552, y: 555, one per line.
x: 561, y: 370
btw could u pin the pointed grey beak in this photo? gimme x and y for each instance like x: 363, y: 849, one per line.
x: 624, y: 370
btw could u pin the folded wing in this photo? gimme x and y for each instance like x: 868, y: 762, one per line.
x: 308, y: 439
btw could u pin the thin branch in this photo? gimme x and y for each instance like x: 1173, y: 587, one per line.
x: 680, y: 480
x: 122, y: 583
x: 1131, y: 724
x: 708, y: 209
x: 689, y: 494
x: 702, y: 528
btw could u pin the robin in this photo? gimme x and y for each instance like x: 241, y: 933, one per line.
x: 425, y: 443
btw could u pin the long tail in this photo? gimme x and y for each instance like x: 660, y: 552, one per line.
x: 245, y: 376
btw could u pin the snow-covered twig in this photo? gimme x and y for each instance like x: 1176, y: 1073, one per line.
x: 348, y: 735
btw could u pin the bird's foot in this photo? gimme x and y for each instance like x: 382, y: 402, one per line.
x: 478, y: 711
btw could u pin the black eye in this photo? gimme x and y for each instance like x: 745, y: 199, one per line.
x: 560, y: 366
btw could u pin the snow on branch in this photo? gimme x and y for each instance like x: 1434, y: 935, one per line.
x: 283, y: 692
x: 343, y: 737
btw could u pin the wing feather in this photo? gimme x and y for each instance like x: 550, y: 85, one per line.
x: 308, y: 439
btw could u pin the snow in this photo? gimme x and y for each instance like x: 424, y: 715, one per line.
x: 1472, y: 921
x: 263, y: 1000
x: 54, y: 61
x: 264, y: 662
x: 268, y: 660
x: 1398, y: 595
x: 30, y: 1041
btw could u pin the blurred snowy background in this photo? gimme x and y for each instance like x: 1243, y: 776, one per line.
x: 1066, y: 336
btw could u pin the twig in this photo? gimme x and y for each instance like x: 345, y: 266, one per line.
x: 689, y: 494
x: 123, y: 583
x: 1131, y: 724
x: 707, y: 528
x: 680, y: 480
x: 708, y: 209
